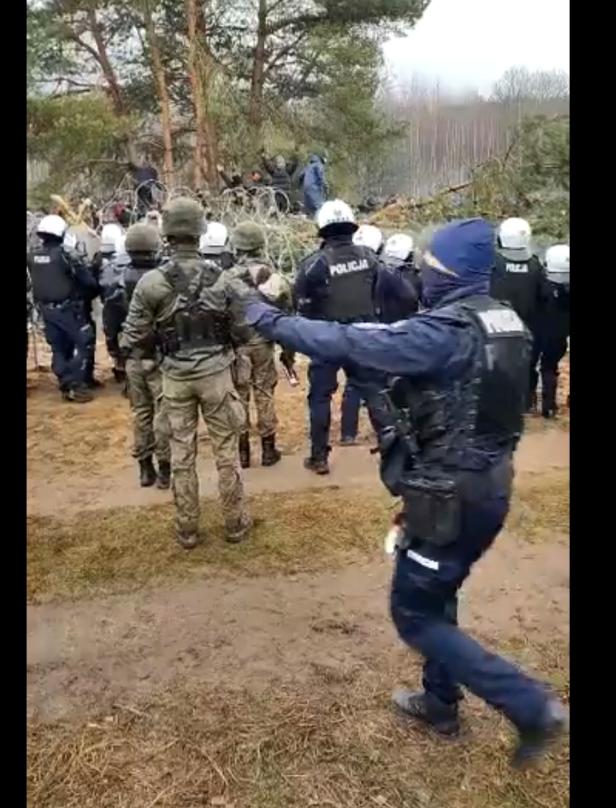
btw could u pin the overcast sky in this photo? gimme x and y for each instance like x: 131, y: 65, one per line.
x: 470, y: 43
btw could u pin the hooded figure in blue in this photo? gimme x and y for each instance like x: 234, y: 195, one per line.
x: 458, y: 382
x: 314, y: 185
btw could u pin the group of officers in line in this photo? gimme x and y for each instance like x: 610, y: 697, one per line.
x: 354, y: 276
x: 445, y: 367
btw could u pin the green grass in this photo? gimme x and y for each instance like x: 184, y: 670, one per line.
x: 123, y: 549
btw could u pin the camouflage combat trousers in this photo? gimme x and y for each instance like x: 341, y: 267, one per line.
x: 150, y: 421
x: 255, y: 368
x: 223, y: 413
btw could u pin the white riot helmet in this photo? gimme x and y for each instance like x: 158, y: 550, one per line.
x: 557, y: 263
x: 367, y: 235
x: 399, y: 246
x: 514, y: 234
x: 52, y: 225
x: 111, y: 239
x: 336, y: 212
x: 214, y: 240
x: 121, y: 244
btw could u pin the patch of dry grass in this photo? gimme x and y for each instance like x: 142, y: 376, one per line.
x: 540, y: 505
x: 117, y: 550
x: 124, y: 548
x: 63, y: 439
x: 336, y: 745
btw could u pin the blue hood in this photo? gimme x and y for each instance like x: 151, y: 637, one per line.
x: 459, y: 261
x: 314, y: 158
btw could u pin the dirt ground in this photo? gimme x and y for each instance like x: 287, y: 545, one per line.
x: 260, y: 676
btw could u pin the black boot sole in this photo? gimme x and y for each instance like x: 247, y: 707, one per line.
x: 271, y: 461
x: 445, y: 729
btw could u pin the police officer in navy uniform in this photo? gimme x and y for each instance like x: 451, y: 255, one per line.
x: 397, y: 291
x: 457, y: 378
x: 518, y: 279
x: 335, y: 283
x: 553, y: 328
x: 113, y: 265
x: 61, y: 283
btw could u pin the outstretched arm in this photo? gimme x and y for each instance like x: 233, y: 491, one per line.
x: 423, y: 346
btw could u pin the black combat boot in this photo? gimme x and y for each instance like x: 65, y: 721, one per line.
x: 147, y: 473
x: 426, y: 707
x: 549, y: 380
x: 317, y: 463
x: 163, y: 479
x: 77, y: 395
x: 238, y: 531
x: 244, y: 450
x: 533, y: 743
x: 269, y: 453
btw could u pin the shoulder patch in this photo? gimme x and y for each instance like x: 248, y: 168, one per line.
x: 501, y: 321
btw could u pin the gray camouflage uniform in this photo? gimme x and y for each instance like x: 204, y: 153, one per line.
x: 196, y: 370
x: 255, y: 367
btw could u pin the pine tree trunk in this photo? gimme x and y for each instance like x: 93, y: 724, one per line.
x: 205, y: 153
x: 163, y: 93
x: 255, y: 106
x: 113, y: 85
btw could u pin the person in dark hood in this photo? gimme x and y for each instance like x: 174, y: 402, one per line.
x: 313, y: 184
x: 144, y: 177
x: 280, y: 171
x: 449, y: 456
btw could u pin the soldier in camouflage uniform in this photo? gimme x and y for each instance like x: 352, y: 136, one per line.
x: 145, y: 383
x: 187, y: 304
x: 255, y: 364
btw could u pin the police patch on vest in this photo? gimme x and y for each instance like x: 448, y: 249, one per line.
x: 517, y: 268
x: 42, y: 259
x: 501, y: 321
x: 349, y: 266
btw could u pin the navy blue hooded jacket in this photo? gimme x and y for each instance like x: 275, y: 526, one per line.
x: 313, y: 184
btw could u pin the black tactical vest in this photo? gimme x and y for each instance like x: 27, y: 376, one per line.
x: 194, y: 323
x: 351, y: 278
x: 464, y: 424
x: 50, y: 272
x: 519, y: 283
x: 134, y: 272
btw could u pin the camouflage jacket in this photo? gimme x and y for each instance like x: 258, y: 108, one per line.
x: 253, y: 271
x: 155, y: 302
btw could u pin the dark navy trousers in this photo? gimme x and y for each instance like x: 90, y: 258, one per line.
x: 424, y: 607
x: 323, y: 383
x: 69, y: 335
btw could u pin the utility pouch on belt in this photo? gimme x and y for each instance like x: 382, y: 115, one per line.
x: 432, y: 509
